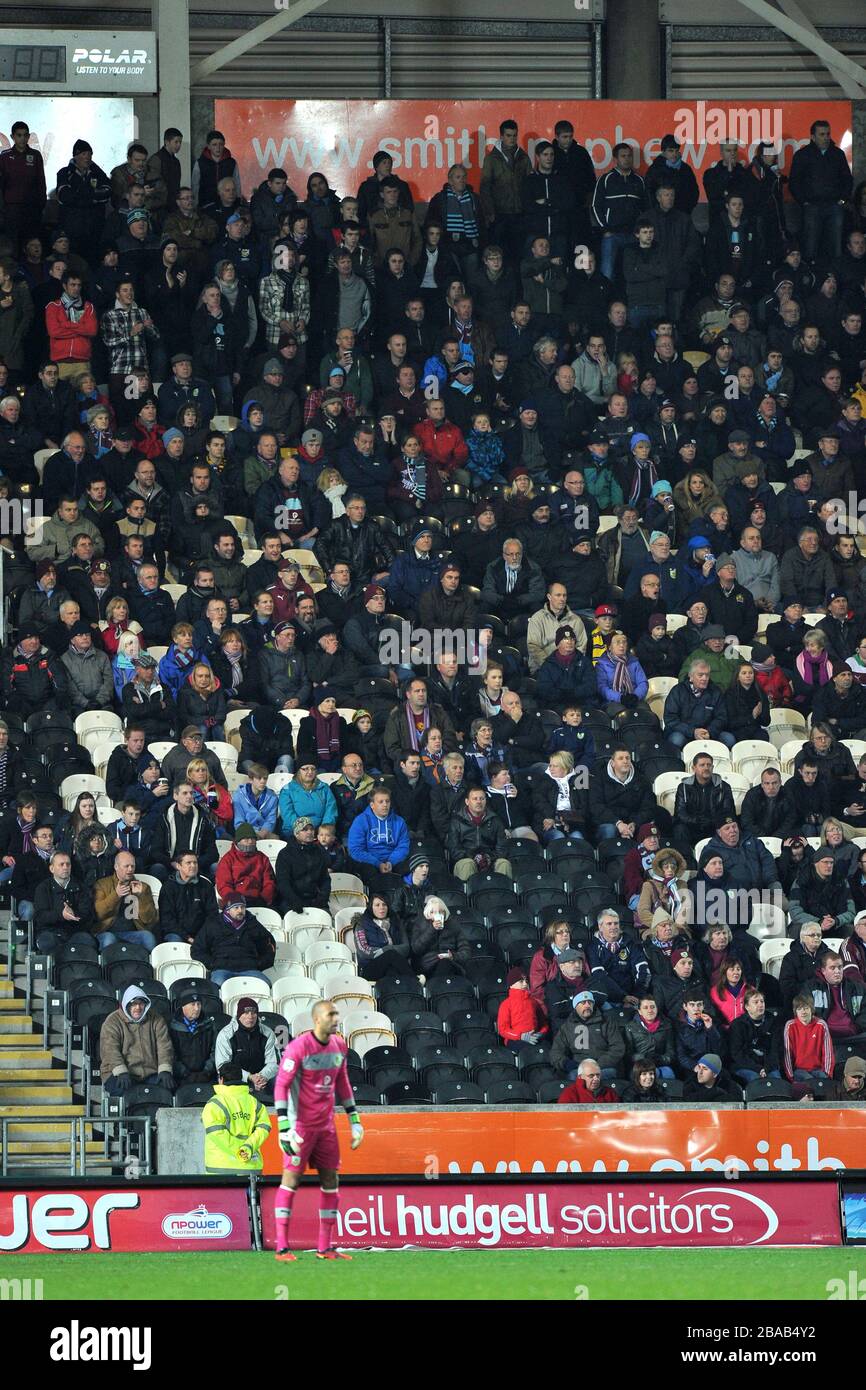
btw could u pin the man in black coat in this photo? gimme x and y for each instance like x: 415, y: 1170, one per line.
x: 186, y: 900
x: 513, y: 585
x: 768, y: 808
x: 785, y: 637
x: 410, y: 795
x: 355, y: 538
x: 62, y: 907
x: 728, y: 603
x: 519, y: 733
x: 559, y: 992
x: 701, y: 802
x: 50, y: 407
x: 841, y: 703
x: 301, y: 870
x: 234, y: 942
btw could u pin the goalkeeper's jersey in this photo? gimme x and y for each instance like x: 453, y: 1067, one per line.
x: 312, y: 1076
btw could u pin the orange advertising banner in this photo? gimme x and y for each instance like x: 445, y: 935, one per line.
x: 339, y: 138
x: 431, y: 1143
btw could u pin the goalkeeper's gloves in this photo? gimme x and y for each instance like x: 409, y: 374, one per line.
x: 357, y: 1130
x: 289, y: 1139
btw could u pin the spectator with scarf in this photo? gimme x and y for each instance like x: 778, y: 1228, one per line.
x: 380, y: 941
x: 642, y: 475
x: 413, y: 717
x: 664, y: 887
x: 619, y: 676
x: 324, y: 735
x: 813, y: 669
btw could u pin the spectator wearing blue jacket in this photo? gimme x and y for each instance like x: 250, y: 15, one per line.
x: 255, y: 804
x: 378, y: 840
x: 695, y: 708
x: 364, y: 467
x: 180, y: 659
x: 307, y: 796
x: 696, y: 568
x: 566, y: 675
x: 620, y: 677
x: 413, y: 571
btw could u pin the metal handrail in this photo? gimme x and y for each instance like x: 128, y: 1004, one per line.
x: 78, y: 1140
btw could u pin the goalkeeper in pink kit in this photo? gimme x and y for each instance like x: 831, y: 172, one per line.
x: 312, y: 1076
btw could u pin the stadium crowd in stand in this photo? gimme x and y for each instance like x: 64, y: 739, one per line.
x: 603, y: 468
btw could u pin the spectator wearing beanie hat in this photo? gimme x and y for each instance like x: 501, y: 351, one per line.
x: 771, y: 678
x: 520, y: 1021
x: 246, y: 870
x: 709, y: 1083
x: 40, y: 603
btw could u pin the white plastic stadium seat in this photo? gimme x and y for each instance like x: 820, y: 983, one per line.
x: 332, y: 953
x: 349, y: 993
x: 180, y: 969
x: 269, y: 918
x: 72, y: 787
x: 239, y: 986
x: 161, y: 749
x: 717, y: 750
x: 286, y: 970
x: 153, y: 883
x: 665, y: 789
x: 364, y: 1029
x: 302, y: 1021
x: 768, y: 921
x: 773, y: 952
x: 293, y: 993
x: 272, y: 849
x: 751, y: 755
x: 857, y: 747
x: 226, y: 752
x: 789, y: 751
x: 96, y: 721
x: 169, y: 950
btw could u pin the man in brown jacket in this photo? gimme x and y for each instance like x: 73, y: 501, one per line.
x: 193, y: 231
x: 123, y: 906
x: 135, y: 1047
x: 393, y: 228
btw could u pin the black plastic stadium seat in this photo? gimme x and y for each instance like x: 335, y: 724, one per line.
x: 459, y: 1093
x: 520, y: 950
x: 386, y: 1056
x: 146, y: 1100
x: 196, y: 1093
x: 489, y: 1074
x: 72, y: 972
x: 368, y: 1095
x: 548, y: 1092
x: 769, y: 1088
x: 388, y: 1074
x: 511, y: 1093
x: 406, y: 1093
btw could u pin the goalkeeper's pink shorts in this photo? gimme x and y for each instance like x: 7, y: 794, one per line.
x: 320, y: 1149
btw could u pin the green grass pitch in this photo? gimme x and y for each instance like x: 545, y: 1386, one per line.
x: 548, y: 1275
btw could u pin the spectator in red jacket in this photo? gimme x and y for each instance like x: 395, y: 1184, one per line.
x: 245, y: 869
x: 72, y: 325
x: 587, y: 1089
x: 808, y: 1047
x: 771, y: 679
x: 443, y: 444
x: 520, y: 1021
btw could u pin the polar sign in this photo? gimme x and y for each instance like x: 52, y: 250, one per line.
x: 33, y: 60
